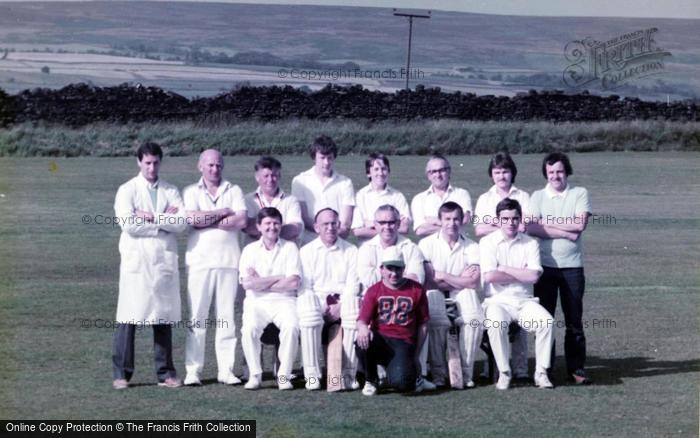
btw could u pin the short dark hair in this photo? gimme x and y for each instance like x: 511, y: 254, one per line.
x: 450, y: 206
x: 553, y: 158
x: 325, y: 209
x: 374, y: 157
x: 509, y: 204
x: 324, y: 145
x: 391, y: 208
x: 149, y: 148
x: 502, y: 160
x: 268, y: 212
x: 268, y: 162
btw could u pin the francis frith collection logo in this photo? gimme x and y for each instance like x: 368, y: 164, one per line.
x: 614, y: 62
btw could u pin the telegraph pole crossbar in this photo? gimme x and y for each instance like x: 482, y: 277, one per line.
x: 410, y: 16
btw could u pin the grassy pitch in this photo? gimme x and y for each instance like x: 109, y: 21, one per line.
x: 58, y: 289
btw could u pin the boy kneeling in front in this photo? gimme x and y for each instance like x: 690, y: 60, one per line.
x: 392, y: 327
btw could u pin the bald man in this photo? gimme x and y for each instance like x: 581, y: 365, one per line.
x: 216, y: 211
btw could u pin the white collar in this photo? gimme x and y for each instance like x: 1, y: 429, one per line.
x: 494, y: 190
x: 222, y: 185
x: 448, y: 190
x: 261, y: 244
x: 502, y: 237
x: 554, y: 194
x: 143, y: 181
x: 386, y: 189
x: 318, y: 244
x: 460, y: 240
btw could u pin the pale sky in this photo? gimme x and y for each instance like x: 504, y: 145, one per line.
x: 603, y: 8
x: 587, y: 8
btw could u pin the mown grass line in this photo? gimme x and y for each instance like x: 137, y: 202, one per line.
x: 390, y: 137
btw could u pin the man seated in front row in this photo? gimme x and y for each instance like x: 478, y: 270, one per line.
x: 329, y: 291
x: 270, y: 272
x: 392, y: 327
x: 510, y: 265
x: 452, y: 271
x: 387, y: 220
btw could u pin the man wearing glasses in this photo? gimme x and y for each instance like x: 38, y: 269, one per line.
x: 392, y: 328
x: 387, y: 220
x: 425, y: 205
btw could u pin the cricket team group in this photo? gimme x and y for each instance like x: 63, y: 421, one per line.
x: 401, y: 316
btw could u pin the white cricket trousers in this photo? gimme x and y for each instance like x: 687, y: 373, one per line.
x: 257, y: 314
x: 532, y: 317
x: 203, y: 285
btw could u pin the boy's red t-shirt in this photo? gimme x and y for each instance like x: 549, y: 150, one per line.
x: 395, y: 313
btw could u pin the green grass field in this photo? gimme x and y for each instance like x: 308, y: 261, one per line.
x: 641, y: 309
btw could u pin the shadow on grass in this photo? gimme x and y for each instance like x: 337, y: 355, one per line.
x: 612, y: 371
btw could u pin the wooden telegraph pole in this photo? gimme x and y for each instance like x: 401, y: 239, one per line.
x: 410, y: 16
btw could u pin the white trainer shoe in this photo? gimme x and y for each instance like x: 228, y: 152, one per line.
x: 192, y: 380
x: 313, y: 383
x: 503, y: 381
x: 284, y: 384
x: 423, y: 384
x: 254, y: 382
x: 542, y: 380
x: 229, y: 380
x: 369, y: 389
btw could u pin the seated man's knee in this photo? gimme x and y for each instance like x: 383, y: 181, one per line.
x: 250, y: 330
x: 473, y: 319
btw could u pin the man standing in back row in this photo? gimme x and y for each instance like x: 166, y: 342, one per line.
x: 268, y: 171
x: 216, y: 211
x: 560, y: 214
x: 150, y: 213
x: 322, y: 187
x: 425, y: 205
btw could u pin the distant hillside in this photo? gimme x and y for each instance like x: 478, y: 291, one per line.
x: 457, y: 51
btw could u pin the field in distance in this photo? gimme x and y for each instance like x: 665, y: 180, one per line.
x: 205, y: 48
